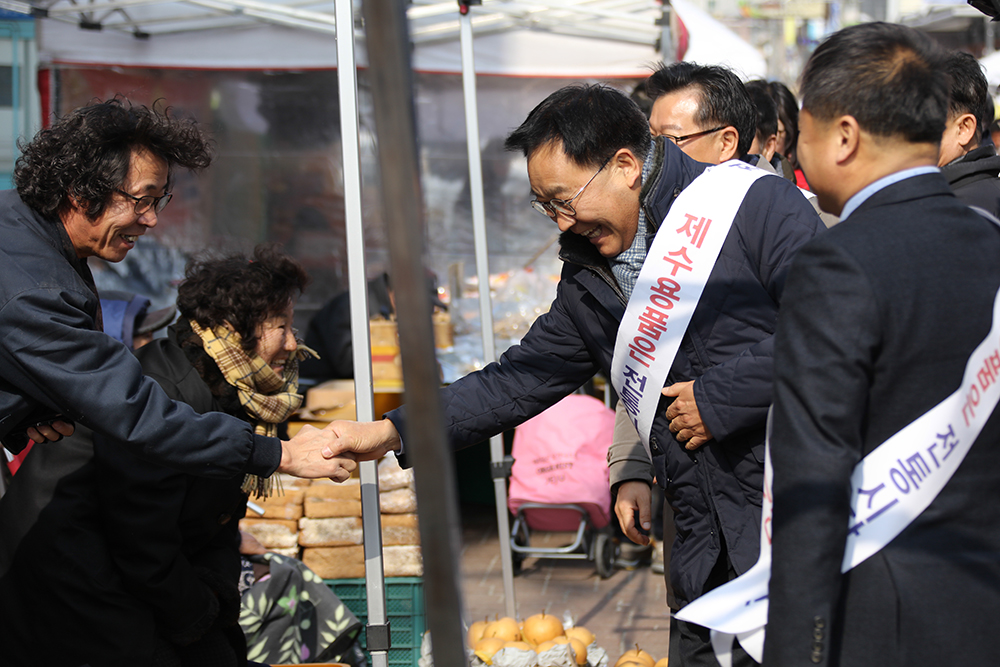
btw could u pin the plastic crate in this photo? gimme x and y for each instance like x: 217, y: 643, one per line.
x: 404, y: 606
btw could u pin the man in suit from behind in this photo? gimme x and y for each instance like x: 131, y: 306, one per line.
x: 879, y: 319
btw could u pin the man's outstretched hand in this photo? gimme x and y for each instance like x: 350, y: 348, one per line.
x: 364, y: 441
x: 309, y: 455
x: 335, y: 450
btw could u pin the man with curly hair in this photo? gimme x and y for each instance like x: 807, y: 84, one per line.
x: 89, y: 186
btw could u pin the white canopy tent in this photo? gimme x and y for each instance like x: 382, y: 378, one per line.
x: 537, y: 42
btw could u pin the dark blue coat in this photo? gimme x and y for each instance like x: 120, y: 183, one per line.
x: 55, y: 360
x: 129, y: 558
x: 727, y: 350
x: 881, y: 316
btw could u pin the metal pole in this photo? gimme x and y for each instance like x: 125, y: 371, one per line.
x: 388, y: 46
x: 666, y: 36
x: 498, y: 465
x: 377, y: 629
x: 15, y: 84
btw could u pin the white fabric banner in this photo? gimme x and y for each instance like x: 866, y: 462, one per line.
x: 889, y: 489
x: 677, y: 266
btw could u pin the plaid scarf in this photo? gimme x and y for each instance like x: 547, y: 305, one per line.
x: 267, y: 398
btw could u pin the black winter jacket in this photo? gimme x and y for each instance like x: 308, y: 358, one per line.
x: 55, y: 360
x: 727, y: 349
x: 973, y: 179
x: 129, y: 559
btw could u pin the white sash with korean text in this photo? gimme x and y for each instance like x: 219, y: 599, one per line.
x: 889, y: 489
x: 671, y: 281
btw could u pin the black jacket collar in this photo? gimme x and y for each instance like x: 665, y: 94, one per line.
x: 54, y: 233
x: 981, y: 163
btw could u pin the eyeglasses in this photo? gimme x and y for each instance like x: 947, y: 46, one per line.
x: 678, y: 140
x: 564, y: 206
x: 143, y: 204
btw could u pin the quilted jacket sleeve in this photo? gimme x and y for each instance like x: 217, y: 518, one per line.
x: 774, y: 221
x: 50, y: 351
x: 551, y: 361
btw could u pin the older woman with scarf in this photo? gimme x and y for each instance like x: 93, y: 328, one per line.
x: 156, y: 563
x: 174, y: 537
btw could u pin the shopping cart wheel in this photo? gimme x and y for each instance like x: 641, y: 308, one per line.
x: 605, y: 551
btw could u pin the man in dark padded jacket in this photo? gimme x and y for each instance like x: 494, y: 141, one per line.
x: 89, y: 186
x: 970, y: 167
x: 595, y: 174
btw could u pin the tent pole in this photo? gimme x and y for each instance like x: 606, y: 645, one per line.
x: 347, y: 86
x: 388, y: 46
x: 500, y: 470
x: 667, y: 50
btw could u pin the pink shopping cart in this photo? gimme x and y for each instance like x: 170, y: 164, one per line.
x: 559, y: 482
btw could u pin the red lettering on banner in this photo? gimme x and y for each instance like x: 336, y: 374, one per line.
x: 632, y: 352
x: 651, y: 330
x: 686, y: 264
x: 696, y: 232
x: 654, y: 317
x: 668, y: 287
x: 661, y: 301
x: 644, y: 344
x: 971, y: 401
x: 987, y: 375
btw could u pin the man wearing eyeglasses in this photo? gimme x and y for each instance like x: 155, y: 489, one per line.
x: 89, y: 186
x: 595, y: 174
x: 705, y: 110
x: 711, y: 116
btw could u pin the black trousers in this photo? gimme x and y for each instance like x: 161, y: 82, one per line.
x: 690, y: 644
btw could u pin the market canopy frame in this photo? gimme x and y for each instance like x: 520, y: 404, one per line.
x: 630, y: 21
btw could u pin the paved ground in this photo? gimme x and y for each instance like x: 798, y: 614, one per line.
x: 626, y: 609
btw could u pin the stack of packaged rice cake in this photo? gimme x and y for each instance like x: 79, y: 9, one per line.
x: 330, y: 531
x: 278, y: 528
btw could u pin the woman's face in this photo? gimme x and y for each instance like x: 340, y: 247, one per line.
x: 276, y: 339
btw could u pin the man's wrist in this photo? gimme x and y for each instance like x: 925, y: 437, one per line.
x: 286, y: 457
x: 390, y: 437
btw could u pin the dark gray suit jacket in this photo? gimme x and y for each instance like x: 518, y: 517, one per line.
x: 879, y: 318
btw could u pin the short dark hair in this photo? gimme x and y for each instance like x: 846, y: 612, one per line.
x: 970, y: 93
x: 788, y: 113
x: 87, y: 153
x: 243, y: 291
x: 767, y: 110
x: 724, y: 99
x: 592, y: 122
x: 890, y: 78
